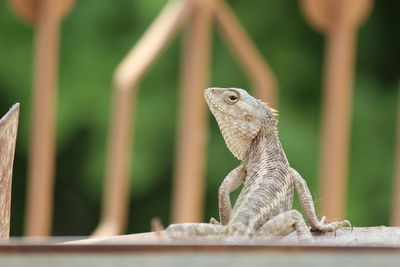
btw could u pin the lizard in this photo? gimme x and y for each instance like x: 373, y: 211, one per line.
x: 263, y: 209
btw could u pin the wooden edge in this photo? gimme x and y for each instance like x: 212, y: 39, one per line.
x: 8, y: 136
x: 180, y: 248
x: 7, y: 117
x: 347, y: 237
x: 135, y: 244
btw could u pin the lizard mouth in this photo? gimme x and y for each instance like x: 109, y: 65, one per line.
x: 211, y: 101
x: 209, y: 96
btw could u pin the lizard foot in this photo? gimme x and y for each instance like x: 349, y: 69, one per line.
x: 333, y: 226
x: 214, y: 221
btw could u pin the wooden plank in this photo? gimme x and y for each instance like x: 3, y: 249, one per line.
x: 359, y: 236
x: 197, y: 255
x: 370, y: 246
x: 188, y: 195
x: 8, y: 136
x: 200, y: 259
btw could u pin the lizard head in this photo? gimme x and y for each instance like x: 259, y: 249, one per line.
x: 239, y: 116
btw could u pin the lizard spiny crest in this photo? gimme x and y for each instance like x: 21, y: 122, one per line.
x: 239, y: 116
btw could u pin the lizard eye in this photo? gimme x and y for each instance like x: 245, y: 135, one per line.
x: 231, y: 97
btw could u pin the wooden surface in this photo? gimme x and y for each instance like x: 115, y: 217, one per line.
x: 8, y: 136
x: 198, y: 256
x: 359, y: 236
x: 370, y: 246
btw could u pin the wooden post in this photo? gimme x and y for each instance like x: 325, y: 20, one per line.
x: 41, y: 157
x: 339, y: 20
x: 47, y: 15
x: 188, y: 195
x: 8, y: 136
x: 336, y: 120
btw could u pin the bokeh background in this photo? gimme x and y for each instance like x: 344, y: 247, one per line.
x: 95, y: 37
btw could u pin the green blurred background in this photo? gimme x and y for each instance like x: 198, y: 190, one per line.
x: 96, y: 36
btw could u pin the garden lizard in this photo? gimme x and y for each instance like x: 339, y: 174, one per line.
x: 263, y: 209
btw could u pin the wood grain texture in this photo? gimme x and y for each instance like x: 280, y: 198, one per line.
x: 360, y: 236
x: 8, y: 134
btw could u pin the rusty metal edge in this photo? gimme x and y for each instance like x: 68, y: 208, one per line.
x: 182, y: 248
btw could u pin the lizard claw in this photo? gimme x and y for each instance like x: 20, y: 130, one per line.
x: 157, y: 228
x: 214, y: 221
x: 323, y: 220
x: 348, y: 224
x: 333, y: 226
x: 344, y: 223
x: 156, y: 225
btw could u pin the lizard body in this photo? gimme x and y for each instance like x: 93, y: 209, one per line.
x: 263, y: 209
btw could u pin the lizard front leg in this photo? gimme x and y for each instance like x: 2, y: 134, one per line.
x: 231, y: 182
x: 308, y: 206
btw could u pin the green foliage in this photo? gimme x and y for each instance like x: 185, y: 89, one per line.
x: 97, y: 35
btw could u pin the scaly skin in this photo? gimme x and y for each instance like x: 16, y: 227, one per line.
x: 263, y: 209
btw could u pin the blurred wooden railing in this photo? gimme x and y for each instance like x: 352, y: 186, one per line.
x: 46, y: 16
x: 337, y: 19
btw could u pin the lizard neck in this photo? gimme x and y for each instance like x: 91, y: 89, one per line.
x: 266, y: 146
